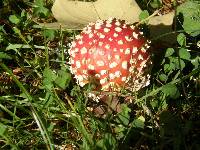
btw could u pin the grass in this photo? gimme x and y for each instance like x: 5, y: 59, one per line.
x: 42, y: 107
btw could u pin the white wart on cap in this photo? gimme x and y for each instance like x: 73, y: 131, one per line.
x: 113, y: 53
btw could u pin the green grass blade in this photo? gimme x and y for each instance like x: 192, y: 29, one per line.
x: 76, y: 119
x: 36, y: 116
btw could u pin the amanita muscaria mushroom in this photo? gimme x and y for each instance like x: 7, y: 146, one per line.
x: 113, y: 54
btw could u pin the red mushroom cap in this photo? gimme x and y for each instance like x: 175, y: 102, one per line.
x: 113, y: 53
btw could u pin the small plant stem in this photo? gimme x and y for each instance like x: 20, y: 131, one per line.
x: 80, y: 126
x: 36, y: 116
x: 179, y: 59
x: 9, y: 112
x: 172, y: 82
x: 146, y: 19
x: 9, y: 142
x: 17, y: 31
x: 59, y: 101
x: 181, y: 77
x: 46, y: 52
x: 75, y: 118
x: 61, y: 46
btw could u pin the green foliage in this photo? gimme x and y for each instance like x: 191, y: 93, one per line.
x: 155, y: 3
x: 14, y: 19
x: 2, y: 129
x: 124, y: 115
x: 61, y: 79
x: 181, y: 39
x: 163, y: 77
x: 138, y: 122
x: 149, y: 5
x: 108, y: 142
x: 49, y: 34
x: 171, y: 90
x: 143, y: 15
x: 190, y: 12
x: 49, y: 78
x: 4, y: 56
x: 184, y: 54
x: 40, y: 9
x: 196, y: 62
x: 169, y: 52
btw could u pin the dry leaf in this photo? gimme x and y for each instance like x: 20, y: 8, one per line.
x: 161, y: 28
x: 74, y: 11
x: 66, y: 11
x: 59, y: 25
x: 76, y: 14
